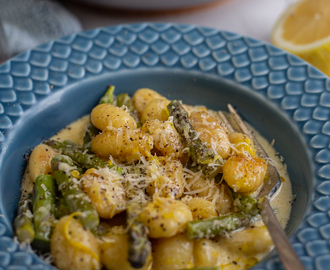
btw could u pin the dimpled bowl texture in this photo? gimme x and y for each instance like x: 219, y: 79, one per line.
x: 43, y: 90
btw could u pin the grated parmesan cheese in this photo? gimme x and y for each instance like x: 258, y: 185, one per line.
x: 43, y: 187
x: 196, y: 191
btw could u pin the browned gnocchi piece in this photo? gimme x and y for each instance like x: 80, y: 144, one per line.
x: 142, y: 97
x: 108, y: 115
x: 156, y: 109
x: 244, y: 173
x: 125, y: 145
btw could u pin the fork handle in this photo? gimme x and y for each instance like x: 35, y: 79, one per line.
x: 282, y: 244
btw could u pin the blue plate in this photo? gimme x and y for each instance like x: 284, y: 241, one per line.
x: 286, y: 99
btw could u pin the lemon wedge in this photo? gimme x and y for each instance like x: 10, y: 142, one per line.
x: 304, y: 30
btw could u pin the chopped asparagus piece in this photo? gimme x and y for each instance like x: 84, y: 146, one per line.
x: 212, y: 227
x: 90, y: 133
x: 139, y: 244
x: 86, y: 160
x: 203, y: 156
x: 246, y: 203
x: 75, y: 198
x: 43, y: 203
x: 109, y: 96
x: 62, y: 208
x: 23, y: 222
x: 124, y: 99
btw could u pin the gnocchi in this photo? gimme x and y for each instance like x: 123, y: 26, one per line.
x: 129, y: 190
x: 167, y: 179
x: 173, y: 253
x: 107, y: 115
x: 209, y: 190
x: 73, y: 247
x: 241, y: 142
x: 244, y: 173
x: 142, y: 98
x: 167, y: 141
x: 165, y: 217
x: 39, y: 162
x: 156, y: 109
x: 107, y: 194
x: 125, y: 145
x: 114, y: 250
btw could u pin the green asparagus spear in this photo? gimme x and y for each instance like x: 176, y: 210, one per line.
x: 108, y: 96
x: 198, y: 151
x: 90, y: 133
x: 139, y: 244
x: 124, y: 99
x: 246, y: 207
x: 23, y: 222
x: 86, y: 160
x: 246, y: 203
x: 62, y: 208
x: 212, y: 227
x: 75, y: 198
x: 43, y: 203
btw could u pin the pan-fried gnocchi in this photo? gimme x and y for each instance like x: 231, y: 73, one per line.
x: 131, y: 181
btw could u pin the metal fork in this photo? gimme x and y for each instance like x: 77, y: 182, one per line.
x: 282, y: 244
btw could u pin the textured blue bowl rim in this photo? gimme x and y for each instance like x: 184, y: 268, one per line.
x: 295, y: 87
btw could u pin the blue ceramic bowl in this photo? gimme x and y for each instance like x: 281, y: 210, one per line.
x: 43, y: 90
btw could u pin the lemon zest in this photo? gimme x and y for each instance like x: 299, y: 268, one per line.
x: 77, y: 244
x: 75, y: 174
x: 88, y: 172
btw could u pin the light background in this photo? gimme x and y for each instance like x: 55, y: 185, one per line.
x: 254, y: 18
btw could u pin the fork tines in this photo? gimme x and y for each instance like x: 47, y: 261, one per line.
x: 233, y: 123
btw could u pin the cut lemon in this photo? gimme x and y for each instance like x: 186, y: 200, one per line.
x: 304, y: 30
